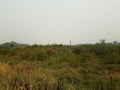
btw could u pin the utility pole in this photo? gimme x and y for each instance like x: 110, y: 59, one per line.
x: 70, y: 42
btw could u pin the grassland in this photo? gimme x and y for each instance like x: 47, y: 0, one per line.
x: 57, y: 67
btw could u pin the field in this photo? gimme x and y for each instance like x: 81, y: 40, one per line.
x: 59, y: 67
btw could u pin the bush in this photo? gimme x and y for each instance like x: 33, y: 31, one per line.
x: 40, y: 55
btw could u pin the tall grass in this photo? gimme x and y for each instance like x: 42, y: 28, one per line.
x: 60, y: 68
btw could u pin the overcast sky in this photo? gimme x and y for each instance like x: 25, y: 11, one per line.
x: 59, y: 21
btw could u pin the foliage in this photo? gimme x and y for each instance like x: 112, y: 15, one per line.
x: 59, y: 67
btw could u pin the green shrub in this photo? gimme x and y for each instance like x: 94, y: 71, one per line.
x: 40, y: 55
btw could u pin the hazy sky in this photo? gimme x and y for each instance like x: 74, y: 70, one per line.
x: 59, y: 21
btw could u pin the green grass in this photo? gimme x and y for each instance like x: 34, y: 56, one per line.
x: 87, y: 67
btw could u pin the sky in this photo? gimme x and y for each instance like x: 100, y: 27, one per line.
x: 59, y: 21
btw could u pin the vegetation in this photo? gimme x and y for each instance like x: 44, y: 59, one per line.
x: 58, y: 67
